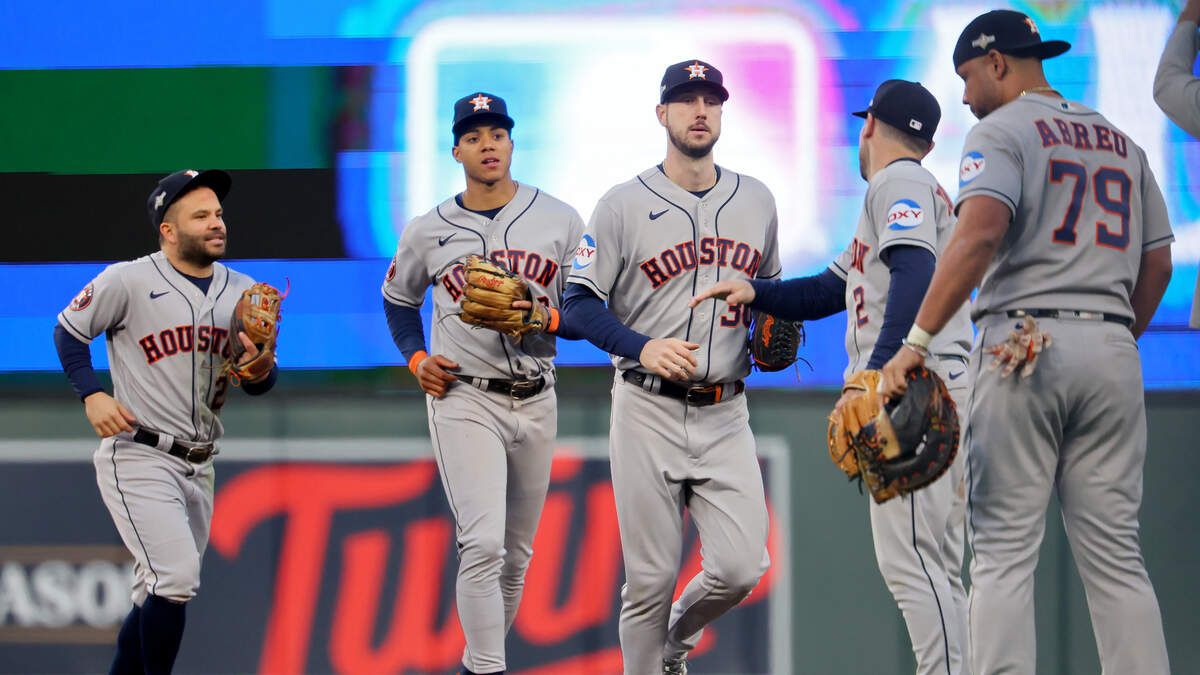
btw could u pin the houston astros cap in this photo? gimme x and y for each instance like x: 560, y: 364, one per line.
x: 180, y: 183
x: 1008, y: 32
x: 478, y: 107
x: 691, y: 72
x: 907, y: 106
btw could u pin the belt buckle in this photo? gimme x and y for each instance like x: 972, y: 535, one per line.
x: 197, y: 454
x: 523, y: 388
x: 694, y: 392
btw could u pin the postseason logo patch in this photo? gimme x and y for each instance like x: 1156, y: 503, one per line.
x: 84, y: 298
x: 972, y: 165
x: 586, y: 252
x: 905, y: 215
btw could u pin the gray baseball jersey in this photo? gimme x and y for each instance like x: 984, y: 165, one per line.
x: 1177, y: 92
x: 651, y: 245
x: 1085, y: 207
x: 919, y: 538
x: 493, y: 452
x: 534, y: 235
x: 166, y: 341
x: 904, y: 206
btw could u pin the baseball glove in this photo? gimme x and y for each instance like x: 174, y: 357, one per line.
x: 488, y: 297
x: 257, y: 315
x: 899, y: 447
x: 774, y: 342
x: 1023, y: 346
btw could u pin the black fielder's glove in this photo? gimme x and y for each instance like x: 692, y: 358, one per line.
x: 775, y: 342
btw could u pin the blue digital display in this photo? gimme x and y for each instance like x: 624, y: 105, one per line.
x: 581, y: 82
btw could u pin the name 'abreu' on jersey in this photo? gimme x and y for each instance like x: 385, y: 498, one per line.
x: 1085, y: 207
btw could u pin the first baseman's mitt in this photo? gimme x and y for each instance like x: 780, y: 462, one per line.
x: 257, y: 315
x: 1022, y: 348
x: 488, y: 297
x: 774, y: 342
x: 895, y: 448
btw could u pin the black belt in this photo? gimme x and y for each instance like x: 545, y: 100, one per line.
x: 517, y: 389
x: 195, y: 455
x: 696, y: 394
x: 1075, y: 314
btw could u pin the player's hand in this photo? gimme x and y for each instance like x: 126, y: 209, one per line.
x: 249, y: 354
x: 735, y: 292
x: 892, y: 381
x: 432, y: 375
x: 108, y: 417
x: 846, y: 397
x: 670, y: 358
x: 522, y: 304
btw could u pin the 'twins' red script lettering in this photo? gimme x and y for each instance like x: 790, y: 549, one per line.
x: 577, y: 559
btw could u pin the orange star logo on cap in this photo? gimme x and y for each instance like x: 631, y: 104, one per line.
x: 1032, y: 26
x: 481, y: 102
x: 191, y: 173
x: 696, y: 70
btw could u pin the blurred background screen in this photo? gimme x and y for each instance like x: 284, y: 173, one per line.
x: 334, y: 118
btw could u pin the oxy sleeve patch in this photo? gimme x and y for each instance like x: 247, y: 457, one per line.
x: 905, y: 214
x: 585, y: 253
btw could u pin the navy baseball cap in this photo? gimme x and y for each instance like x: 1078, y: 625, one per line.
x: 1008, y: 32
x: 907, y: 106
x: 180, y: 183
x: 478, y: 107
x: 690, y: 73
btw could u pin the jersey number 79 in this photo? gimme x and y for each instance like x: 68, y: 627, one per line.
x: 1061, y: 169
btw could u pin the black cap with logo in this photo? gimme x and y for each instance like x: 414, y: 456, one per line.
x: 907, y: 106
x: 479, y: 107
x: 689, y: 74
x: 1008, y: 32
x: 178, y: 184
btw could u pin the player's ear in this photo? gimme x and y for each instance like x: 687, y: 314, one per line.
x: 997, y: 64
x: 661, y: 111
x: 869, y: 126
x: 928, y: 150
x: 454, y: 151
x: 166, y: 231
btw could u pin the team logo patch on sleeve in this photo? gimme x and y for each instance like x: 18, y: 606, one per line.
x: 972, y: 165
x: 391, y: 270
x: 585, y: 253
x: 905, y: 215
x: 84, y: 298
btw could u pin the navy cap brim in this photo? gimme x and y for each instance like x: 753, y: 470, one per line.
x: 670, y: 93
x: 1042, y: 50
x: 474, y: 120
x: 216, y: 179
x: 861, y: 113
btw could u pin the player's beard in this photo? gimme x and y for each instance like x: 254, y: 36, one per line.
x: 689, y: 149
x: 195, y: 251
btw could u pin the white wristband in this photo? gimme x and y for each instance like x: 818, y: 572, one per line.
x: 919, y: 337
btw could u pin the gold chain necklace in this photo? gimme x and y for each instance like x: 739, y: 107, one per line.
x: 1044, y: 87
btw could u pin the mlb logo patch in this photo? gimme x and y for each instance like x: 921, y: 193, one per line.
x: 972, y: 165
x: 905, y: 214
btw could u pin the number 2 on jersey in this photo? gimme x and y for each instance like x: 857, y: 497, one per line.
x: 1061, y: 169
x: 859, y: 302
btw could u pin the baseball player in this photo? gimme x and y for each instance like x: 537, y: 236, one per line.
x: 1062, y: 220
x: 490, y: 399
x: 680, y: 435
x: 1177, y: 91
x: 879, y: 281
x: 166, y: 318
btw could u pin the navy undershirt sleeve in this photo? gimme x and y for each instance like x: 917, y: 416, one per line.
x: 264, y: 385
x: 802, y: 298
x: 912, y: 269
x: 405, y: 324
x: 76, y: 359
x: 586, y: 316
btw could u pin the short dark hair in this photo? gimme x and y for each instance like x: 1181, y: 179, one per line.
x: 910, y: 142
